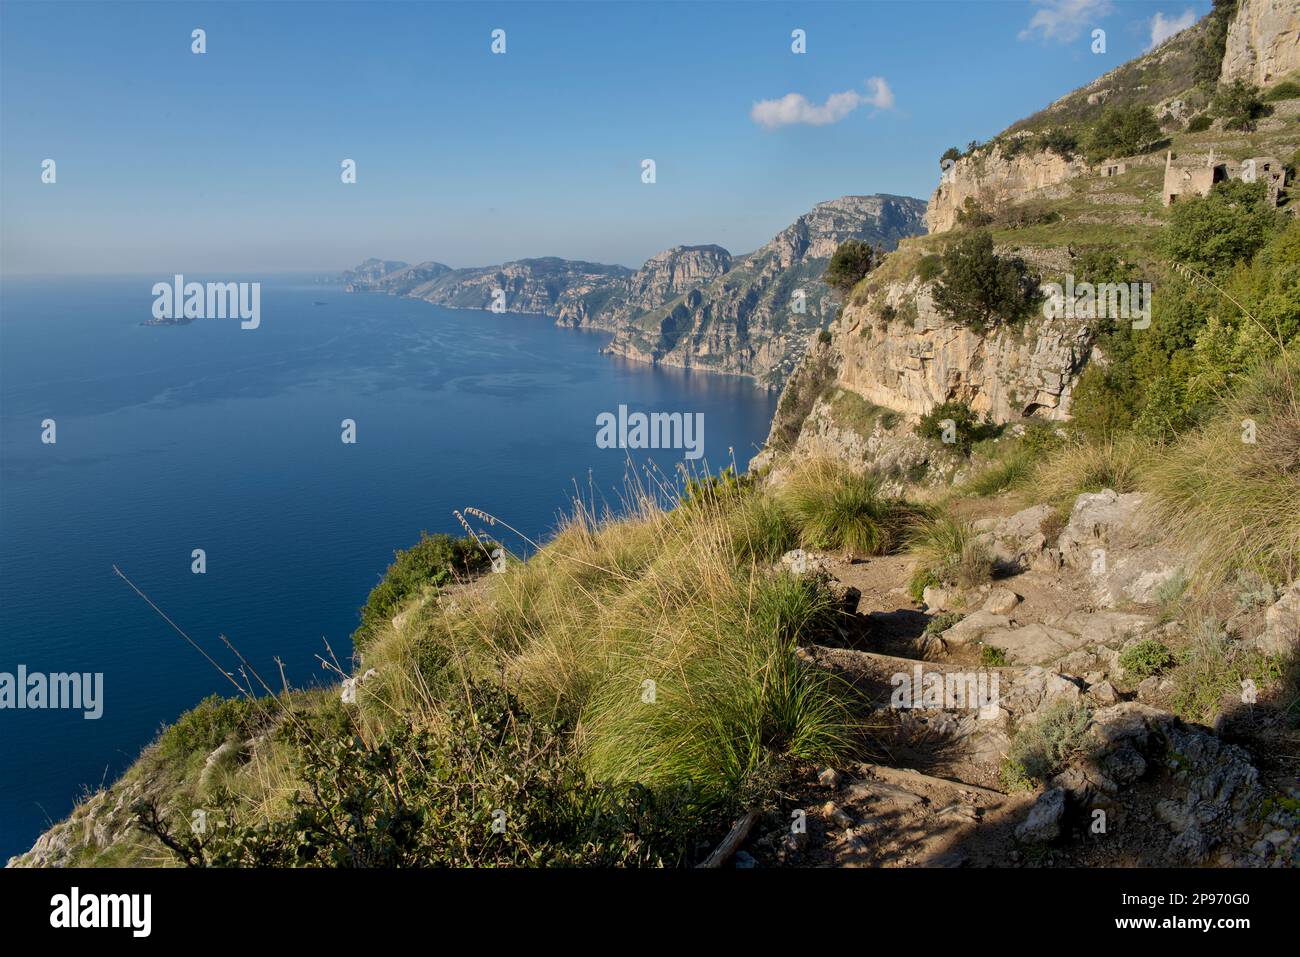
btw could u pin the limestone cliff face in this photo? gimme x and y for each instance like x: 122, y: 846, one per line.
x: 992, y: 179
x: 1263, y: 41
x: 755, y: 318
x: 664, y: 276
x: 898, y: 357
x: 912, y: 364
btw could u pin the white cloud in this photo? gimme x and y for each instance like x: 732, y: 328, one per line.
x: 1163, y: 28
x: 881, y: 96
x: 1064, y: 20
x: 795, y: 107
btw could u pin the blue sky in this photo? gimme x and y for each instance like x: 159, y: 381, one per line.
x: 169, y: 161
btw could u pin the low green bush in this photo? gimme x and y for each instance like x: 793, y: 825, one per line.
x: 434, y: 561
x: 1145, y: 658
x: 1041, y: 748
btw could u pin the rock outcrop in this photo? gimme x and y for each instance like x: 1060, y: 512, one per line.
x: 912, y: 364
x: 992, y: 179
x: 664, y: 276
x: 1263, y: 42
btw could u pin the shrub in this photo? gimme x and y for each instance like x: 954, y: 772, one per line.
x: 1215, y: 232
x: 930, y: 267
x: 709, y: 489
x: 1024, y: 215
x: 1145, y: 658
x: 434, y: 561
x: 435, y: 797
x: 980, y: 288
x: 1104, y: 403
x: 1122, y: 131
x: 1199, y: 124
x: 973, y: 214
x: 1040, y: 749
x: 1058, y: 140
x: 991, y: 657
x: 849, y: 264
x: 954, y: 425
x: 951, y: 153
x: 1212, y: 669
x: 206, y: 726
x: 1239, y: 104
x: 1101, y: 264
x: 1214, y: 40
x: 1286, y: 90
x: 941, y: 622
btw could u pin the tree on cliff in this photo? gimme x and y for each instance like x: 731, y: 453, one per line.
x: 1122, y: 131
x: 979, y: 288
x: 850, y: 263
x: 1214, y: 41
x: 1239, y: 104
x: 1214, y: 233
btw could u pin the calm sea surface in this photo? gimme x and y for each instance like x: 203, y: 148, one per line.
x: 209, y: 436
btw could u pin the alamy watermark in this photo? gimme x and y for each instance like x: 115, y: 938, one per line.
x: 956, y: 690
x: 133, y: 912
x: 35, y: 690
x: 1105, y: 300
x: 214, y: 300
x: 652, y: 430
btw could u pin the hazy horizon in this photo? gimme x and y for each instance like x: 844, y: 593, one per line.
x: 229, y: 160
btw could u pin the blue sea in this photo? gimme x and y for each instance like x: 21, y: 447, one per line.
x: 209, y: 436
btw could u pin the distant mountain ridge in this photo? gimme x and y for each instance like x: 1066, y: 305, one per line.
x: 689, y: 306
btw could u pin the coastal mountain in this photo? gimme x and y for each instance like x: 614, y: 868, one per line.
x: 372, y: 270
x: 548, y: 286
x: 664, y: 276
x: 689, y: 306
x: 755, y: 318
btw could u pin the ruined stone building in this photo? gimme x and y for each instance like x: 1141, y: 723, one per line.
x: 1182, y: 181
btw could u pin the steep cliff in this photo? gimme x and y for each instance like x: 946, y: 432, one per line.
x: 919, y: 358
x: 1263, y: 41
x: 755, y: 318
x: 664, y: 276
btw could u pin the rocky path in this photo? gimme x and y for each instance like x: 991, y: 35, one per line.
x: 1140, y: 787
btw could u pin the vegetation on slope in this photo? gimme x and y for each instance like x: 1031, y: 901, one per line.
x: 614, y: 700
